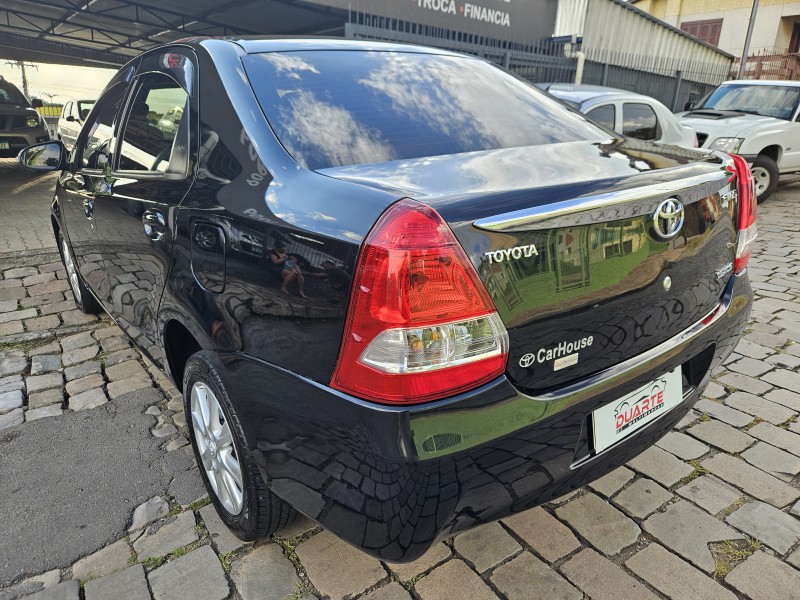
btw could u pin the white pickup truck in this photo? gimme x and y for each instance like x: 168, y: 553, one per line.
x: 756, y: 119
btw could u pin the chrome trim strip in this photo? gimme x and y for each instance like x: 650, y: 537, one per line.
x: 604, y: 207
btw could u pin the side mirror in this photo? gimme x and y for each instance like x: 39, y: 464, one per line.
x: 70, y: 118
x: 688, y: 106
x: 37, y: 103
x: 48, y: 156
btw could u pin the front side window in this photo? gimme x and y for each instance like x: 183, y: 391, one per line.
x: 96, y: 148
x: 337, y: 108
x: 154, y: 125
x: 639, y: 121
x: 606, y: 115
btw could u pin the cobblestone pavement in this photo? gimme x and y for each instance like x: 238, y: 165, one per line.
x: 710, y: 512
x: 24, y: 208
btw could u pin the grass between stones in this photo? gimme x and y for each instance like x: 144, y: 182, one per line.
x: 698, y: 470
x: 198, y: 504
x: 730, y: 553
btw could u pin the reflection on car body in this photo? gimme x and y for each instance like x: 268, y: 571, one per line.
x: 394, y: 403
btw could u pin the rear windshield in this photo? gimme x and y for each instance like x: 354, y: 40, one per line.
x: 336, y: 108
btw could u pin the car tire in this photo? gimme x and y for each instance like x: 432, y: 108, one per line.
x: 766, y: 175
x: 84, y: 299
x: 234, y: 483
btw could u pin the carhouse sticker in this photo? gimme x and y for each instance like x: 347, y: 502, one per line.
x: 619, y: 419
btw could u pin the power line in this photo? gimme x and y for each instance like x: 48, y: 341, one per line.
x: 21, y: 64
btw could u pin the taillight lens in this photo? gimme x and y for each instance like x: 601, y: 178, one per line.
x: 747, y: 213
x: 420, y: 324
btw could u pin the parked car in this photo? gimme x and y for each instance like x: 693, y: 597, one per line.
x: 71, y: 120
x: 757, y: 119
x: 635, y: 115
x: 20, y: 124
x: 450, y: 297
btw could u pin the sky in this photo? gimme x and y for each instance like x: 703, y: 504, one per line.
x: 66, y: 82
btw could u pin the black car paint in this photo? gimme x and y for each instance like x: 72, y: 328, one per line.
x: 353, y: 466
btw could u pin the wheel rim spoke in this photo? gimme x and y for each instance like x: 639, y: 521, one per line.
x: 216, y: 449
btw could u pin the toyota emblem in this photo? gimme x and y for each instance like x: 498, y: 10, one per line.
x: 527, y: 360
x: 668, y: 218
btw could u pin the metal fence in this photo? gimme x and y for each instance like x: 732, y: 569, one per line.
x: 770, y: 64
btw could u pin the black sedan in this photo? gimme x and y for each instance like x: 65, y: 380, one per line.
x: 403, y: 291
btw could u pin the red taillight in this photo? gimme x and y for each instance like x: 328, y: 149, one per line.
x: 746, y: 222
x: 420, y: 324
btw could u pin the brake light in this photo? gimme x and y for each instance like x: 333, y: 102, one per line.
x: 747, y: 213
x: 420, y: 325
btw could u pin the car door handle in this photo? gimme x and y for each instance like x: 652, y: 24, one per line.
x: 155, y: 224
x: 88, y: 208
x: 74, y: 182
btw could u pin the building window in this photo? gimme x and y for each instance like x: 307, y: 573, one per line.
x: 707, y: 31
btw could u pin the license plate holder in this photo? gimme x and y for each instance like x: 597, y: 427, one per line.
x: 4, y: 146
x: 617, y: 420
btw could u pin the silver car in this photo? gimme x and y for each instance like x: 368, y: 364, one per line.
x: 20, y: 124
x: 631, y: 114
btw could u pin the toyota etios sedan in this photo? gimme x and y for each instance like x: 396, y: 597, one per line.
x: 403, y: 291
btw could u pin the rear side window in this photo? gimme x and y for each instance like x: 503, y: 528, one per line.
x: 639, y: 121
x: 335, y: 108
x: 606, y: 115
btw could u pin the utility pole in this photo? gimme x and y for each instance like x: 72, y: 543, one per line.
x: 21, y: 64
x: 746, y: 50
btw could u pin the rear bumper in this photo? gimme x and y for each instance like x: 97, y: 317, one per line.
x: 392, y: 481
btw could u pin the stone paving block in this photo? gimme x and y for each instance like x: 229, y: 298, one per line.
x: 433, y: 557
x: 48, y: 300
x: 129, y: 584
x: 8, y: 305
x: 392, y: 591
x: 486, y: 546
x: 163, y: 431
x: 53, y: 410
x: 20, y: 272
x: 351, y: 573
x: 17, y: 293
x: 784, y: 378
x: 768, y: 524
x: 264, y: 574
x: 84, y: 384
x: 82, y: 370
x: 759, y: 407
x: 149, y: 512
x: 642, y: 497
x: 112, y: 344
x: 59, y: 306
x: 752, y: 350
x: 197, y: 574
x: 11, y: 328
x: 10, y: 400
x: 763, y: 577
x: 120, y: 356
x: 794, y: 558
x: 44, y: 363
x: 752, y: 480
x: 69, y: 590
x: 13, y: 365
x: 750, y: 366
x: 53, y: 349
x: 526, y: 577
x: 722, y: 436
x: 12, y: 418
x: 18, y: 315
x: 682, y: 446
x: 783, y: 360
x: 777, y: 436
x: 38, y: 278
x: 774, y: 461
x: 687, y: 530
x: 710, y: 493
x: 42, y: 323
x: 10, y: 283
x: 11, y: 383
x: 674, y: 577
x: 661, y: 466
x: 106, y: 332
x: 223, y: 538
x: 723, y: 413
x: 544, y: 533
x: 689, y: 418
x: 785, y: 397
x: 606, y: 528
x: 79, y: 355
x: 77, y: 340
x: 744, y: 383
x: 601, y: 579
x: 31, y: 585
x: 89, y: 399
x: 610, y: 483
x: 452, y: 575
x: 176, y: 534
x: 117, y: 388
x: 37, y: 383
x: 103, y: 562
x: 46, y: 398
x: 124, y: 370
x: 50, y: 287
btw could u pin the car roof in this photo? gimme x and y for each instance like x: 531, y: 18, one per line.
x: 762, y: 82
x: 582, y: 93
x: 260, y: 44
